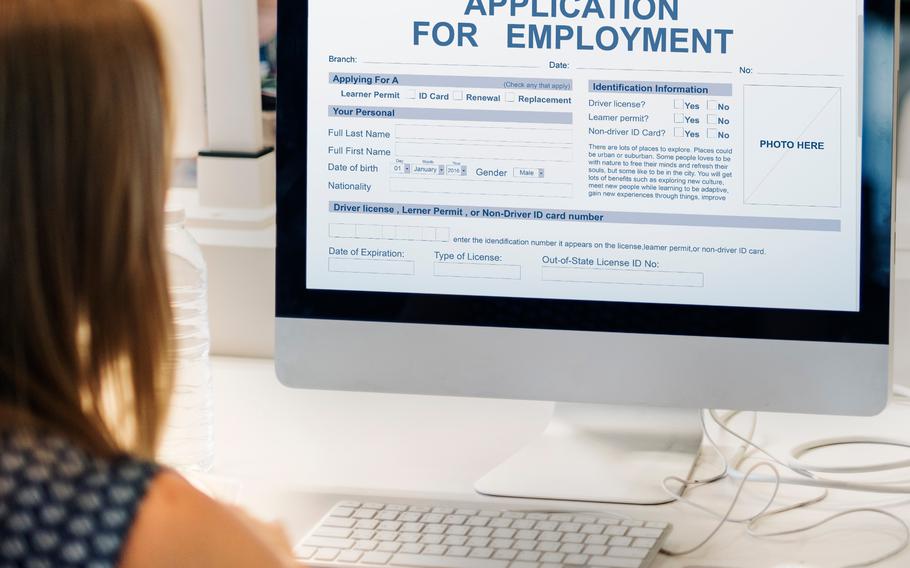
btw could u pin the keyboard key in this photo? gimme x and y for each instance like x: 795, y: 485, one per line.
x: 595, y: 550
x: 479, y: 542
x: 323, y: 542
x: 524, y: 524
x: 614, y: 562
x: 467, y: 512
x: 526, y: 544
x: 376, y: 558
x: 569, y: 527
x: 431, y: 539
x: 409, y: 537
x: 409, y: 517
x: 620, y: 541
x: 342, y: 512
x: 458, y: 551
x: 366, y: 545
x: 536, y: 516
x: 576, y: 560
x: 645, y: 543
x: 504, y: 533
x: 528, y: 556
x: 608, y: 521
x: 387, y: 516
x: 418, y: 561
x: 615, y: 530
x: 350, y: 504
x: 454, y: 520
x: 482, y: 531
x: 339, y: 522
x: 546, y: 525
x: 363, y: 534
x: 550, y: 536
x: 478, y: 521
x: 527, y: 534
x: 434, y: 529
x: 501, y: 543
x: 412, y: 527
x: 500, y: 523
x: 435, y: 550
x: 627, y: 552
x: 386, y: 536
x: 597, y: 539
x: 419, y: 509
x: 561, y: 517
x: 398, y: 508
x: 592, y: 528
x: 364, y: 514
x: 326, y: 554
x: 505, y: 554
x: 548, y: 546
x: 444, y: 510
x: 584, y: 519
x: 457, y: 530
x: 374, y: 506
x: 513, y: 515
x: 350, y: 556
x: 520, y: 564
x: 368, y: 524
x: 571, y: 548
x: 388, y: 547
x: 554, y: 557
x: 657, y: 525
x: 455, y: 540
x: 645, y: 533
x: 333, y: 532
x: 304, y: 552
x: 574, y: 538
x: 488, y: 513
x: 632, y: 523
x: 389, y: 526
x: 412, y: 548
x: 482, y: 553
x: 432, y: 518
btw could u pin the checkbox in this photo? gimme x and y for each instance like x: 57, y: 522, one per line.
x: 712, y: 119
x: 712, y: 105
x: 679, y: 132
x: 679, y: 104
x: 510, y: 97
x: 679, y: 118
x: 459, y: 95
x: 712, y: 133
x: 412, y: 94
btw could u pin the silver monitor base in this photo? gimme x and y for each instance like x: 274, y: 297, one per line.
x: 601, y: 454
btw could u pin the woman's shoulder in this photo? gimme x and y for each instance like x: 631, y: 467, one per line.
x: 61, y: 505
x: 177, y: 522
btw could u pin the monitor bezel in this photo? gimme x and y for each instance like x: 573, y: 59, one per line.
x: 294, y: 300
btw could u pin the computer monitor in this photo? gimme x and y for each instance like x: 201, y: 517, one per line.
x: 627, y: 207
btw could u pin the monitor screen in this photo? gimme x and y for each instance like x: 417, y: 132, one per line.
x: 660, y: 166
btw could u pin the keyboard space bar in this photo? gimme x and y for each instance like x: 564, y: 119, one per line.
x: 419, y: 561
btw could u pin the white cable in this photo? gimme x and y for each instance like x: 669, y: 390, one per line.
x: 806, y: 477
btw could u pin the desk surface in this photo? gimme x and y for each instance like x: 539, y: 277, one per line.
x: 297, y: 452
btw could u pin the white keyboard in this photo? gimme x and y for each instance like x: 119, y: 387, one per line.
x: 383, y: 534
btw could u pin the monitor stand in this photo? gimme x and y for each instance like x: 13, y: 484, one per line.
x: 602, y: 454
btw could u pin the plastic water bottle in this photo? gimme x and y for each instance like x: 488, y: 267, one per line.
x: 189, y: 436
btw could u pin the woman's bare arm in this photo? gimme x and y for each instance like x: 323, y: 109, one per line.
x: 179, y: 526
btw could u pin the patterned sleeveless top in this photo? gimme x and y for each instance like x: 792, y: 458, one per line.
x: 60, y: 507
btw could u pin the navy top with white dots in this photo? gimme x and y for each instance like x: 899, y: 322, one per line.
x: 60, y: 506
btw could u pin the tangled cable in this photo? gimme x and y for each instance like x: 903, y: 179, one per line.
x: 806, y: 475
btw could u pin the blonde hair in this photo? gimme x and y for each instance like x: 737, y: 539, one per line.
x: 85, y: 321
